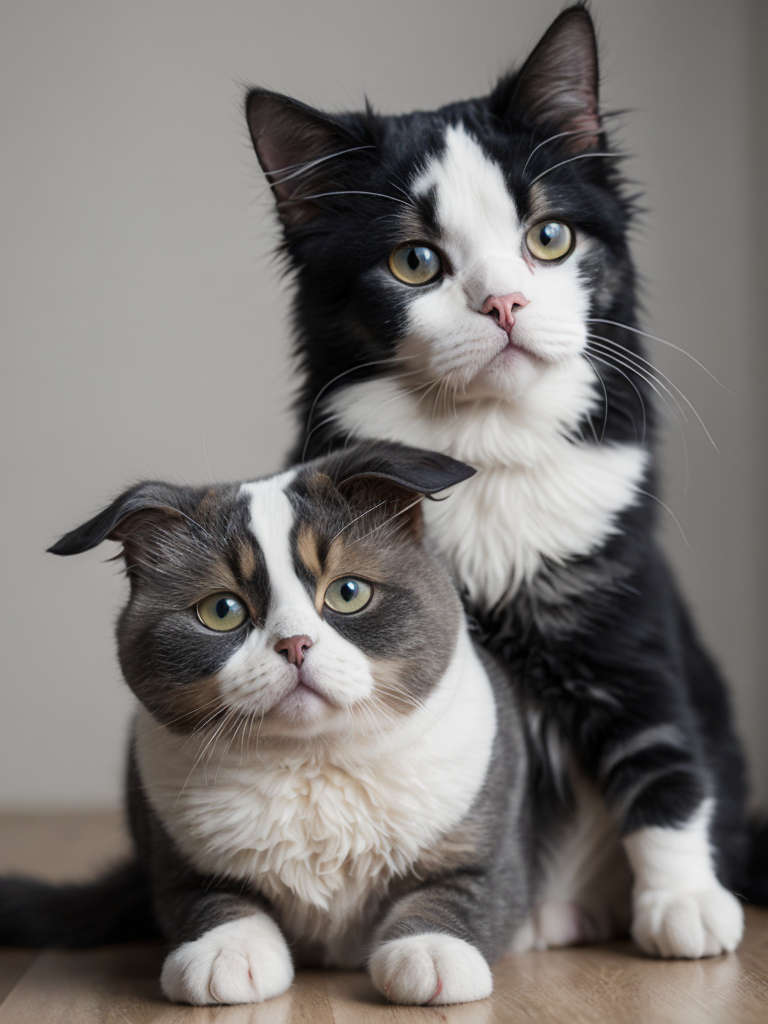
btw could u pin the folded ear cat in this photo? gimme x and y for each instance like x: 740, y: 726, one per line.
x: 323, y: 769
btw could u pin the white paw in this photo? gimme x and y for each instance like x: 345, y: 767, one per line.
x: 243, y: 961
x: 687, y: 924
x: 431, y: 968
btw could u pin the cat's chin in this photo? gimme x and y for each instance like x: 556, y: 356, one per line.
x: 507, y: 375
x: 302, y: 706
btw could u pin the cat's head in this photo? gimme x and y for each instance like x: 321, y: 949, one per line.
x: 307, y: 603
x: 468, y: 246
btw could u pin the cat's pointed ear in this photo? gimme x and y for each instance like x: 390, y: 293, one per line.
x: 557, y: 87
x: 130, y: 519
x: 295, y: 146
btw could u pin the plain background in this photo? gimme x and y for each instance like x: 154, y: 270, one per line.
x: 144, y: 322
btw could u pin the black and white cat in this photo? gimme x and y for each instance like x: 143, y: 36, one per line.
x: 323, y: 768
x: 464, y: 284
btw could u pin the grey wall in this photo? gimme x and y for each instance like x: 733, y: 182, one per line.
x: 144, y: 325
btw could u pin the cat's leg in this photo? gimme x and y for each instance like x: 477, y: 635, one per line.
x: 661, y: 793
x: 427, y: 949
x: 243, y: 959
x: 680, y: 909
x: 224, y: 946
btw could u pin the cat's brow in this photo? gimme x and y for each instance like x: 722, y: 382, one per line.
x: 349, y: 192
x: 353, y: 521
x: 552, y: 138
x: 579, y: 156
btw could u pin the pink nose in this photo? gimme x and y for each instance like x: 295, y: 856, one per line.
x: 293, y: 647
x: 503, y: 308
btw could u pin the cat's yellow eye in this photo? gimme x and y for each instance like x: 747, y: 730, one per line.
x: 550, y: 240
x: 415, y: 264
x: 221, y: 612
x: 347, y: 595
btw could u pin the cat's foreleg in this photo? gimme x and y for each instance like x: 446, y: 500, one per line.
x: 426, y: 951
x: 679, y: 908
x: 237, y: 955
x: 224, y: 946
x: 658, y: 790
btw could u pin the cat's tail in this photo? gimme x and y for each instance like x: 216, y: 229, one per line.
x: 756, y: 890
x: 114, y: 908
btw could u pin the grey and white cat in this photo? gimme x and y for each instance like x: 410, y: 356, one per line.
x: 324, y: 769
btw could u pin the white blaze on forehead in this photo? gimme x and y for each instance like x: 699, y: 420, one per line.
x: 291, y: 610
x: 335, y: 666
x: 479, y: 226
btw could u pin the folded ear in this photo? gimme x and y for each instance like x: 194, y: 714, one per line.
x: 557, y: 87
x: 298, y: 148
x: 132, y: 518
x: 413, y: 469
x: 392, y: 477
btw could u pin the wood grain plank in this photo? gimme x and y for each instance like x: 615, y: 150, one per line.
x: 120, y: 985
x: 598, y: 984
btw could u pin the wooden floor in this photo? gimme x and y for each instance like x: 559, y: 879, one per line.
x: 610, y: 984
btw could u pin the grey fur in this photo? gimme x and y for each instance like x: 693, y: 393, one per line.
x: 475, y: 882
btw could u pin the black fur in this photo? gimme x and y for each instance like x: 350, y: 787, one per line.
x: 116, y: 908
x: 604, y: 645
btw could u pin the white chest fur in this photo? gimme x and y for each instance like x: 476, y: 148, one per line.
x: 321, y: 831
x: 537, y: 494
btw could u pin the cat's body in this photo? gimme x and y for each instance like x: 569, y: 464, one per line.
x: 324, y: 769
x: 464, y: 283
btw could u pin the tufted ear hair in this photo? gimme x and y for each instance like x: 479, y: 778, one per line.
x: 134, y: 519
x: 557, y: 87
x: 297, y: 147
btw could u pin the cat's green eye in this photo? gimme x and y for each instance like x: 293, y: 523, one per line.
x: 347, y: 595
x: 415, y: 264
x: 550, y: 240
x: 221, y: 612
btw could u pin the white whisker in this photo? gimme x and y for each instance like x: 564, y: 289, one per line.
x: 347, y: 192
x: 552, y: 138
x: 570, y: 160
x: 662, y: 341
x: 298, y: 169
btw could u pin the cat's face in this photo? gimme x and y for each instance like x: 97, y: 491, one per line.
x: 302, y: 605
x: 466, y: 251
x: 511, y: 289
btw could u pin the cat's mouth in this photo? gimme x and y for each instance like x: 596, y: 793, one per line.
x: 511, y: 352
x: 304, y: 701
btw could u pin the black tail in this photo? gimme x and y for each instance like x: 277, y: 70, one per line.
x: 114, y: 908
x: 756, y: 890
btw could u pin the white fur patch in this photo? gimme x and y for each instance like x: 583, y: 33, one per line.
x: 432, y: 969
x: 449, y: 338
x: 586, y: 887
x: 509, y: 411
x: 680, y: 908
x: 536, y: 494
x: 243, y: 961
x: 321, y: 826
x: 257, y: 679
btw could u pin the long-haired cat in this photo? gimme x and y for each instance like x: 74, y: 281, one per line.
x: 323, y: 769
x: 464, y: 283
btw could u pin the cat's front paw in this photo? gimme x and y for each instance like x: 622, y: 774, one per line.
x: 243, y: 961
x: 689, y: 925
x: 431, y: 968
